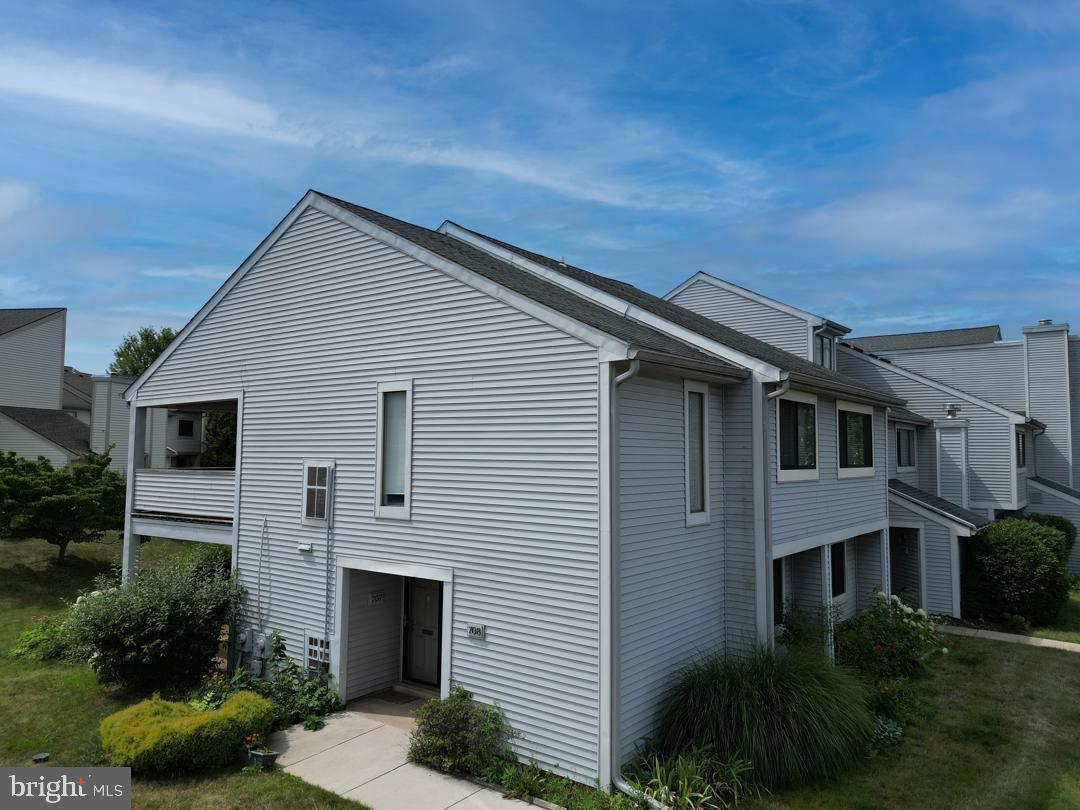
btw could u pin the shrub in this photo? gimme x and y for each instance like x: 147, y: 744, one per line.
x: 898, y: 700
x: 887, y: 640
x: 210, y: 560
x: 47, y: 639
x: 1063, y: 525
x: 161, y: 737
x: 296, y: 697
x: 692, y: 780
x: 791, y: 714
x: 1016, y: 567
x: 160, y: 629
x: 459, y: 735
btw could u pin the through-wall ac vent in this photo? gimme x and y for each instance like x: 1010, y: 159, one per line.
x: 317, y: 659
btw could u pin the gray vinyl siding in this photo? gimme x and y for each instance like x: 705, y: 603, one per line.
x: 1047, y: 358
x: 937, y: 546
x: 375, y: 639
x: 774, y: 326
x: 994, y: 372
x: 504, y: 460
x: 927, y: 469
x: 990, y: 467
x: 802, y: 509
x: 109, y: 421
x: 807, y: 580
x: 950, y: 447
x: 867, y: 568
x: 27, y: 444
x: 206, y: 493
x: 1074, y: 399
x: 670, y: 575
x: 32, y: 364
x: 1042, y: 501
x: 740, y: 575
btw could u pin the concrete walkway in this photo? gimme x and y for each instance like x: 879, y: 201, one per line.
x: 1013, y: 638
x: 361, y: 754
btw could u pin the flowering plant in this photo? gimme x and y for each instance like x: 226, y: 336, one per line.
x: 887, y: 640
x: 254, y: 741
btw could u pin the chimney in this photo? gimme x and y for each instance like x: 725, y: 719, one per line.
x: 1046, y: 322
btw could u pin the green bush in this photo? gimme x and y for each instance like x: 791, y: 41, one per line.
x: 161, y: 737
x: 1063, y: 525
x: 296, y: 697
x: 1016, y: 567
x: 47, y: 639
x: 210, y: 560
x: 160, y: 629
x: 459, y: 735
x: 887, y: 640
x: 791, y: 714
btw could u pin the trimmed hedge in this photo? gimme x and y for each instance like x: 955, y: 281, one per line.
x: 1016, y: 568
x: 162, y: 737
x: 1063, y: 525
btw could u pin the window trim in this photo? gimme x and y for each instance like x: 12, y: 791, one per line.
x: 914, y: 449
x: 403, y: 512
x: 307, y: 464
x: 819, y: 350
x: 787, y: 476
x: 855, y: 472
x: 1021, y: 439
x: 697, y: 387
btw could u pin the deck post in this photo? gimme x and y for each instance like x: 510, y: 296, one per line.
x: 135, y: 457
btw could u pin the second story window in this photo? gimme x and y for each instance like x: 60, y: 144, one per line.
x: 1021, y: 450
x: 823, y: 350
x: 185, y: 428
x: 696, y: 396
x: 393, y: 455
x: 855, y: 432
x: 797, y: 437
x: 318, y: 477
x: 905, y: 448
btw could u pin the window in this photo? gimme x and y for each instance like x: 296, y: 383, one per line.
x: 823, y: 350
x: 185, y: 428
x: 394, y: 450
x: 905, y: 448
x: 838, y: 568
x: 797, y: 437
x: 855, y: 432
x: 696, y: 398
x: 317, y: 483
x: 1021, y: 450
x: 778, y: 591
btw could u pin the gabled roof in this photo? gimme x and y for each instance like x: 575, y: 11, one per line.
x: 12, y: 319
x: 801, y: 370
x: 79, y: 381
x: 904, y: 415
x: 730, y: 286
x: 1054, y: 485
x: 58, y: 427
x: 946, y: 508
x: 968, y: 336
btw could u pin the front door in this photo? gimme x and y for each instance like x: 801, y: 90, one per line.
x: 423, y: 630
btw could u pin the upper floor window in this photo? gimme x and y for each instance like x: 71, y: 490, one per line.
x: 823, y: 350
x: 855, y: 431
x: 1021, y: 450
x: 796, y: 433
x: 696, y: 396
x: 905, y: 448
x: 393, y: 456
x: 318, y: 475
x: 185, y: 428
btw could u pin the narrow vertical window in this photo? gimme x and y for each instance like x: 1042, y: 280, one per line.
x: 394, y: 450
x: 696, y: 397
x: 1021, y: 450
x: 838, y: 560
x: 905, y: 449
x: 316, y: 497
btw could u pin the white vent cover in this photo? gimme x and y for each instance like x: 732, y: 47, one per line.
x: 317, y: 658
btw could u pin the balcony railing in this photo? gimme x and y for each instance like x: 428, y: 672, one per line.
x: 189, y: 493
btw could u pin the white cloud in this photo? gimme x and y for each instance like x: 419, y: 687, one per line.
x: 208, y: 273
x: 15, y: 198
x: 18, y: 289
x: 1040, y: 16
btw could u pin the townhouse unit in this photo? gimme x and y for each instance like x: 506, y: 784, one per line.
x: 460, y: 460
x: 1037, y: 375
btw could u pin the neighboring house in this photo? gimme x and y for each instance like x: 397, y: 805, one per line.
x: 457, y: 459
x: 1037, y: 375
x: 34, y: 432
x: 78, y: 394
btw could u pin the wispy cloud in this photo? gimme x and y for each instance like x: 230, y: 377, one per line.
x: 208, y: 273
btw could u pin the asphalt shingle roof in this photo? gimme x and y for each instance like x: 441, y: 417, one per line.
x: 79, y: 381
x: 938, y: 504
x: 904, y: 415
x: 58, y: 427
x: 1064, y: 490
x: 538, y: 289
x: 702, y: 325
x: 969, y: 336
x: 12, y: 319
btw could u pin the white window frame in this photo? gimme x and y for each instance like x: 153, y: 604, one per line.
x: 403, y: 512
x: 914, y: 449
x: 308, y: 464
x: 856, y: 472
x: 697, y: 387
x: 819, y: 350
x: 1021, y: 436
x: 785, y: 476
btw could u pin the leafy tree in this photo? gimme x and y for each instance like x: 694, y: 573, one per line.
x: 73, y: 504
x: 139, y: 349
x: 219, y: 436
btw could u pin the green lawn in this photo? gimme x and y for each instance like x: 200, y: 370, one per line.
x: 57, y: 707
x: 1005, y: 733
x: 1067, y: 627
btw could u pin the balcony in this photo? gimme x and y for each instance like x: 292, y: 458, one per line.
x: 185, y: 503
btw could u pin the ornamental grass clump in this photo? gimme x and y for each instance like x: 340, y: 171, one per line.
x: 790, y: 714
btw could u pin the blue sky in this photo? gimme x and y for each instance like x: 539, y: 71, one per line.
x: 893, y: 166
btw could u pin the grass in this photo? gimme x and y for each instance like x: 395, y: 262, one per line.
x: 56, y: 707
x: 1067, y: 626
x: 1002, y: 733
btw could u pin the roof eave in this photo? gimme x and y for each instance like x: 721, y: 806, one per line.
x: 850, y: 391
